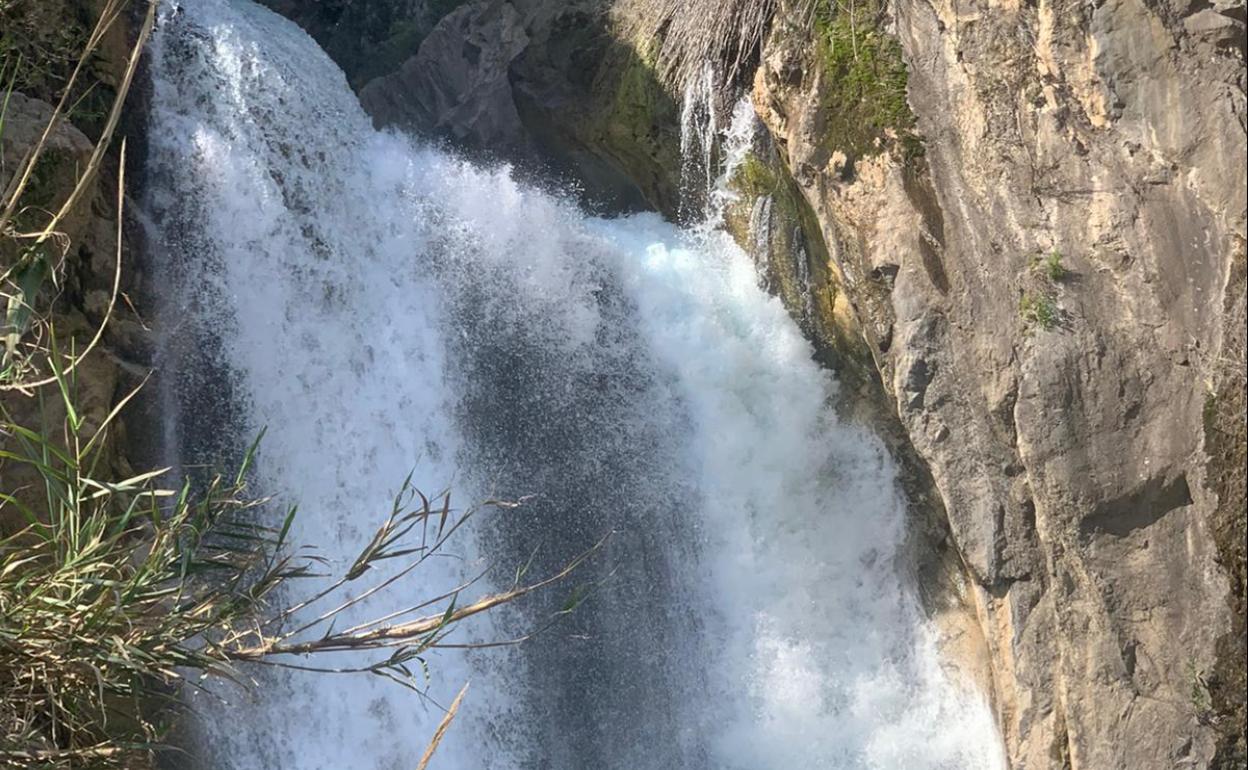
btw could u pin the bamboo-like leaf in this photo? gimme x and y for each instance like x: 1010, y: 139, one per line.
x: 286, y: 524
x: 249, y: 457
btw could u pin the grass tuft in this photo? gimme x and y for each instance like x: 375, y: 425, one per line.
x: 1039, y: 310
x: 1050, y: 266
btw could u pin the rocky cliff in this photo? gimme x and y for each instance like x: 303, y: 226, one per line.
x: 1054, y: 292
x: 1018, y: 228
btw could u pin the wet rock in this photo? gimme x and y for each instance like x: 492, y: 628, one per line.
x: 66, y: 151
x: 458, y: 83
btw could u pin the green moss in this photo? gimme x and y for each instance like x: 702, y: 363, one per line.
x: 798, y: 266
x: 1198, y: 690
x: 864, y: 81
x: 635, y: 125
x: 755, y: 178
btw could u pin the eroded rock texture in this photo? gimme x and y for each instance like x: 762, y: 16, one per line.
x: 1053, y: 291
x: 551, y: 87
x: 44, y: 42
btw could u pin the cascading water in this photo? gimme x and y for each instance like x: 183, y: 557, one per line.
x: 698, y: 140
x: 378, y: 304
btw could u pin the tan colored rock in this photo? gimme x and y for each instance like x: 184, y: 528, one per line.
x: 1070, y: 459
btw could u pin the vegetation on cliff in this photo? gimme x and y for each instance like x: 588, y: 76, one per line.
x: 727, y: 33
x: 864, y: 80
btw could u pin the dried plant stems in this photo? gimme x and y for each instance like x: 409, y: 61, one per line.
x: 115, y: 592
x: 443, y: 726
x: 21, y: 297
x: 687, y: 34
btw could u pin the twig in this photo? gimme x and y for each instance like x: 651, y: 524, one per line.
x: 443, y: 726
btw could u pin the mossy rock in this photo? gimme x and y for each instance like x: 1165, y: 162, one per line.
x: 798, y: 267
x: 635, y: 124
x: 862, y: 81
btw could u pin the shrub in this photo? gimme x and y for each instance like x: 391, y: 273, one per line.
x: 1039, y: 310
x: 1050, y: 266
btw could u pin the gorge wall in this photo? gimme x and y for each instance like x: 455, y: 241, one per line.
x: 1054, y: 292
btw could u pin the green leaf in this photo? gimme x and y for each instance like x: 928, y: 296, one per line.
x: 249, y: 457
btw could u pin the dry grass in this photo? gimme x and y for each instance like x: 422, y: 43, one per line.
x: 689, y: 33
x: 34, y: 244
x: 117, y: 593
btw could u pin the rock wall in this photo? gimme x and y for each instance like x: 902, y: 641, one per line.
x: 1053, y: 290
x: 551, y: 87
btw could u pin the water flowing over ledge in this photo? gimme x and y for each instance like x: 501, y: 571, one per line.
x: 377, y: 303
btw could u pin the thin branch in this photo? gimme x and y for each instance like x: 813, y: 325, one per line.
x: 403, y: 633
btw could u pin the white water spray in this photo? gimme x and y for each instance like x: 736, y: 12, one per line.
x: 378, y: 304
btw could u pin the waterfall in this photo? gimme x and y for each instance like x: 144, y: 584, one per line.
x: 699, y: 139
x: 379, y: 304
x: 736, y: 142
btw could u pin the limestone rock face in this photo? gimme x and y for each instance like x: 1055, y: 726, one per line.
x: 65, y: 151
x: 1087, y: 161
x: 457, y: 82
x: 368, y: 38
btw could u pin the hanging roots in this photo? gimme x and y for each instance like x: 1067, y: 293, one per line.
x: 688, y: 33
